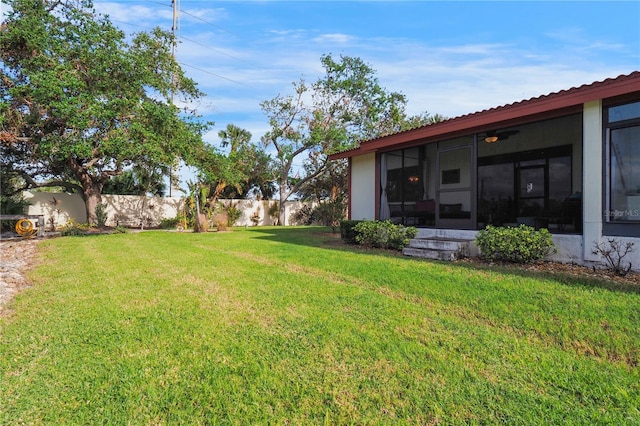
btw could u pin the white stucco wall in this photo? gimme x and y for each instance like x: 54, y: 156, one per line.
x: 57, y: 208
x: 125, y: 210
x: 363, y: 187
x: 133, y: 210
x: 130, y: 210
x: 592, y: 177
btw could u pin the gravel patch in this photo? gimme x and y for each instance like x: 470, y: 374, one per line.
x: 16, y: 258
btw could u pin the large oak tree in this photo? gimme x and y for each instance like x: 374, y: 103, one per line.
x: 343, y: 107
x: 79, y: 102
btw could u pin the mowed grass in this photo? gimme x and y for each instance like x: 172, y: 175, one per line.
x: 279, y: 326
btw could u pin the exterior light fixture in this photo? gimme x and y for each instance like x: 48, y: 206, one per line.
x: 495, y: 136
x: 414, y: 179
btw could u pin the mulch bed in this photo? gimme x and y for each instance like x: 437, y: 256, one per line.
x: 630, y: 282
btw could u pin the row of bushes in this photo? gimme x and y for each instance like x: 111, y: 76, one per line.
x: 522, y: 244
x: 75, y: 229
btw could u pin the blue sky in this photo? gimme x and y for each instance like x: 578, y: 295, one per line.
x: 451, y: 58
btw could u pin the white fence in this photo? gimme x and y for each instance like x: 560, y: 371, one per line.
x: 132, y: 210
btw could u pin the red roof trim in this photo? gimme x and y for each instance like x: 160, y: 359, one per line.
x: 554, y: 104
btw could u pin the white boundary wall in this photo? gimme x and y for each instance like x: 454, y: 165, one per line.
x: 131, y: 210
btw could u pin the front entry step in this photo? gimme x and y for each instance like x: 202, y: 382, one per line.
x: 439, y: 248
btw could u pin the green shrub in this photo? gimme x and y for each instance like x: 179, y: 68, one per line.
x: 329, y: 213
x: 233, y: 213
x: 101, y: 215
x: 347, y: 233
x: 304, y: 215
x: 522, y: 244
x: 170, y: 223
x: 384, y: 234
x: 73, y: 228
x: 120, y: 230
x: 10, y: 204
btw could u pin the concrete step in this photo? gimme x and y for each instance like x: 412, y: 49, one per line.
x: 429, y: 253
x: 439, y: 248
x: 438, y: 243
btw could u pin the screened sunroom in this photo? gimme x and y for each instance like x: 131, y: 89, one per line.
x: 530, y: 173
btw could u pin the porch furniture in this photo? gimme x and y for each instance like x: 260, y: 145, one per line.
x: 453, y: 211
x: 567, y: 219
x: 423, y: 213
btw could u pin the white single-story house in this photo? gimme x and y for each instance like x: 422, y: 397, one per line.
x: 568, y: 161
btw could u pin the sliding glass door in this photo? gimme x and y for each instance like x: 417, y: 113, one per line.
x: 532, y: 188
x: 456, y: 185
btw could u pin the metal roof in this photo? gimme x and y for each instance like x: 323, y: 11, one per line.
x: 538, y: 108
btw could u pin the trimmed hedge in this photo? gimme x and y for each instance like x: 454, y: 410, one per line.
x: 522, y: 244
x: 347, y: 233
x: 384, y: 234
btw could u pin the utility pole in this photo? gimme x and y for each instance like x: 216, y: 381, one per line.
x: 174, y: 29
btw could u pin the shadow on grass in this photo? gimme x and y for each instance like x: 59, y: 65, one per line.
x: 293, y: 234
x: 581, y: 277
x: 572, y: 275
x: 318, y: 236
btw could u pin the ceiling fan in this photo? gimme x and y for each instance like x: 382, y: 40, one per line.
x: 495, y: 136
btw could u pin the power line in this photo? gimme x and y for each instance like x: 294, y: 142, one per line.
x: 215, y: 50
x: 159, y: 2
x: 206, y: 22
x: 130, y: 24
x: 181, y: 37
x: 200, y: 44
x: 216, y: 75
x: 196, y: 17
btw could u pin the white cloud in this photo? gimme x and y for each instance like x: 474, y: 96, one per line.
x: 134, y: 13
x: 206, y: 15
x: 471, y: 49
x: 240, y: 67
x: 333, y: 38
x: 287, y: 33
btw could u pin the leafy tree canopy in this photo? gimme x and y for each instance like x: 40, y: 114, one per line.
x: 79, y: 103
x: 252, y: 160
x: 221, y: 174
x: 343, y: 107
x: 137, y: 181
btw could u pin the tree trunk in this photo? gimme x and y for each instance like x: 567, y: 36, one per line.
x: 91, y: 189
x: 92, y: 194
x: 282, y: 209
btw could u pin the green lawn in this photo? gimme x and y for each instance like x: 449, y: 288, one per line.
x: 281, y: 326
